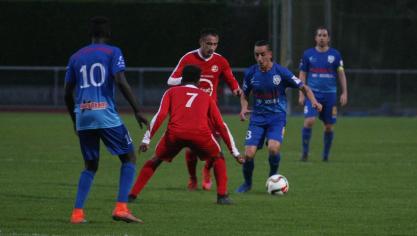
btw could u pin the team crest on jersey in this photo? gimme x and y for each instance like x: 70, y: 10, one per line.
x: 276, y: 79
x: 121, y: 62
x: 214, y: 68
x: 330, y: 58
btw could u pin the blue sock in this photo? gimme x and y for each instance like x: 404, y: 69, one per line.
x: 248, y: 167
x: 306, y: 136
x: 84, y: 185
x: 327, y: 139
x: 274, y: 163
x: 127, y: 173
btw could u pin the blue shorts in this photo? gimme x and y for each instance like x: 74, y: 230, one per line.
x: 329, y: 113
x: 116, y: 139
x: 269, y: 126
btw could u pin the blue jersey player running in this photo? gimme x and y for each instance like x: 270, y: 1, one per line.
x: 267, y: 82
x: 320, y: 66
x: 93, y: 72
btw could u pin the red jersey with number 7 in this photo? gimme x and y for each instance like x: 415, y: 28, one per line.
x: 213, y: 69
x: 190, y: 110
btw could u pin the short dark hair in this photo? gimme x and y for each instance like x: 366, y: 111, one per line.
x: 208, y: 31
x: 191, y: 74
x: 99, y: 27
x: 322, y: 28
x: 266, y: 43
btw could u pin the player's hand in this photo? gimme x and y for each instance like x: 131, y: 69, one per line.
x: 301, y: 99
x: 141, y: 119
x: 239, y: 158
x: 343, y: 99
x: 237, y: 92
x: 317, y: 106
x: 143, y: 147
x: 243, y: 113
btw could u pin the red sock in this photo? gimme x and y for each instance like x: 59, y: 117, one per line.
x: 145, y: 174
x: 206, y: 169
x: 191, y: 160
x: 221, y: 175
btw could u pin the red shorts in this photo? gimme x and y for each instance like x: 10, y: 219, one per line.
x: 172, y: 143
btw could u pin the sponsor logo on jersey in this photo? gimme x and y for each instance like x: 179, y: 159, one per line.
x: 312, y: 59
x: 276, y: 79
x: 214, y: 68
x: 330, y: 58
x: 206, y: 85
x: 93, y: 105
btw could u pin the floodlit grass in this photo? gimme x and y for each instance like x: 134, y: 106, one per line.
x: 367, y: 188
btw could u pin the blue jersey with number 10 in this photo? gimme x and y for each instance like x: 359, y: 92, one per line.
x: 321, y: 69
x: 268, y: 88
x: 92, y: 70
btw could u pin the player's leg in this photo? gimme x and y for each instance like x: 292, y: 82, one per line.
x: 254, y: 139
x: 191, y: 162
x: 166, y: 149
x: 144, y: 176
x: 328, y: 116
x: 309, y: 119
x: 275, y: 135
x: 207, y: 146
x: 119, y: 142
x: 209, y: 163
x: 90, y: 147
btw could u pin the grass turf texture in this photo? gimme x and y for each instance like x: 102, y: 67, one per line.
x: 367, y: 188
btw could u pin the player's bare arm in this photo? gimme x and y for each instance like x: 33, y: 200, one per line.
x: 309, y: 94
x: 343, y: 86
x: 301, y: 97
x: 69, y: 101
x: 126, y: 90
x: 244, y: 103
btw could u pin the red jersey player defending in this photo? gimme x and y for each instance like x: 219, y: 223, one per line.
x: 191, y: 110
x: 213, y: 68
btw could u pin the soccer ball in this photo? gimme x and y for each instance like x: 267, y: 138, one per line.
x: 277, y: 185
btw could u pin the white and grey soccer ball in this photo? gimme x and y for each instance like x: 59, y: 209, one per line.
x: 277, y: 185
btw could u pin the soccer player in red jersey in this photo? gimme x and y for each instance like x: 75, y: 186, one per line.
x: 213, y: 68
x: 191, y: 110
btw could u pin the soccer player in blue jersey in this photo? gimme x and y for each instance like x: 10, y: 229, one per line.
x: 267, y: 82
x: 93, y: 72
x: 320, y: 66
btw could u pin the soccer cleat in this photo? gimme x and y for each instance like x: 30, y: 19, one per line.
x: 77, y: 216
x: 244, y: 188
x: 206, y: 185
x: 123, y: 214
x: 192, y: 184
x: 131, y: 198
x: 224, y: 200
x: 304, y: 157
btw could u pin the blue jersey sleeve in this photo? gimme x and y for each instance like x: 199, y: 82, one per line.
x: 338, y: 61
x: 304, y: 63
x: 290, y: 78
x: 69, y: 74
x: 118, y: 61
x: 247, y: 85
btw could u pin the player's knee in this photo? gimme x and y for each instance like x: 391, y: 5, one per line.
x: 250, y: 154
x: 274, y: 147
x: 328, y: 128
x: 309, y: 122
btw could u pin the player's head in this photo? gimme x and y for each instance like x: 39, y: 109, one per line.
x: 191, y: 74
x: 263, y: 54
x: 99, y: 28
x: 322, y: 37
x: 209, y: 40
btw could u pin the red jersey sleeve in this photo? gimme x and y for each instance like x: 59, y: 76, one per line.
x: 221, y: 127
x: 176, y: 76
x: 159, y: 117
x: 228, y: 76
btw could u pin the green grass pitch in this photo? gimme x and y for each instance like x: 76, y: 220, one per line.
x: 369, y: 187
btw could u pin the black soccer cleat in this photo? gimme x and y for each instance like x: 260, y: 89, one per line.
x: 224, y: 200
x: 304, y: 157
